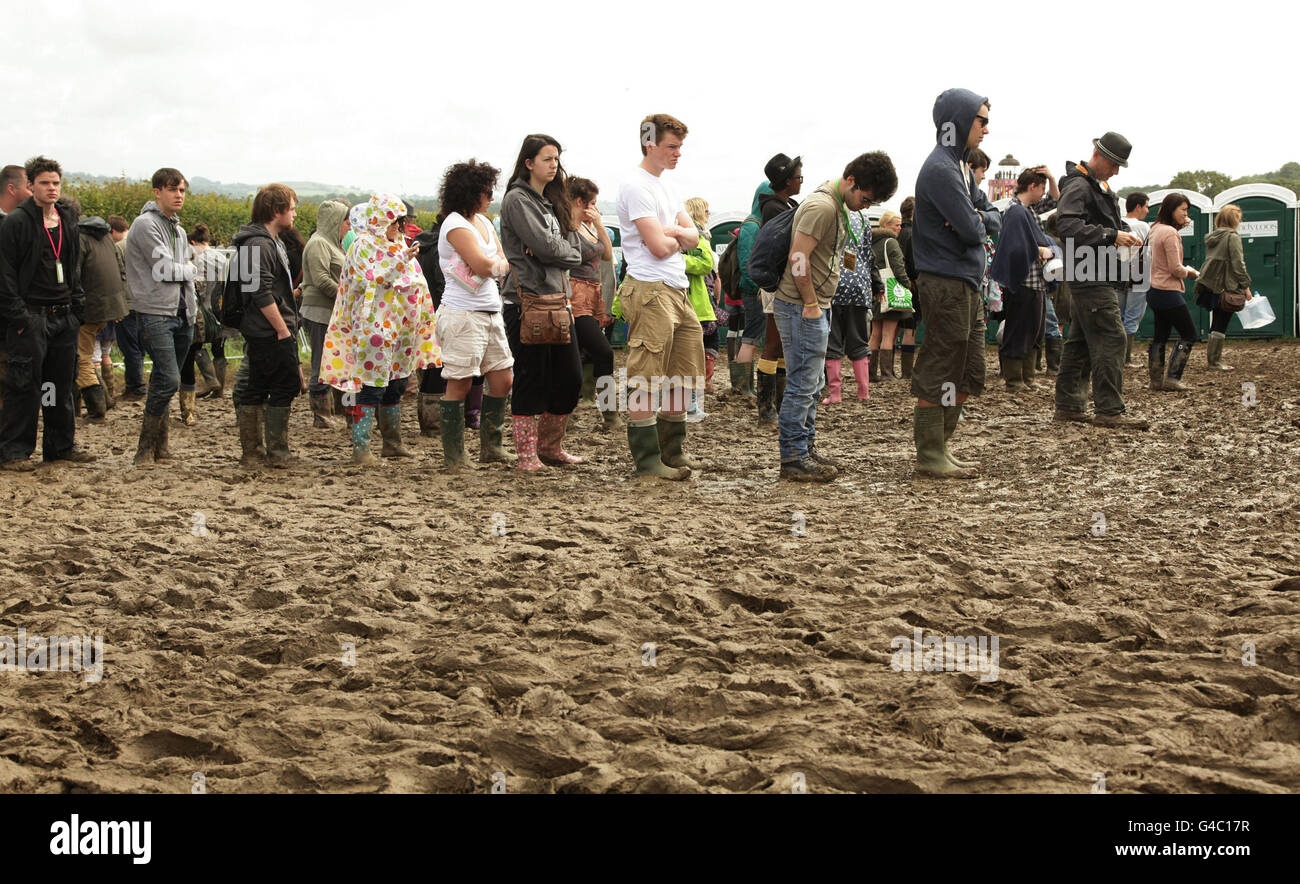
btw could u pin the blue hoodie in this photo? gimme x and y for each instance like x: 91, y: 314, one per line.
x: 745, y: 241
x: 943, y: 194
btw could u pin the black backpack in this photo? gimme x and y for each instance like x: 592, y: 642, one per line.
x: 771, y: 251
x: 228, y: 295
x: 729, y: 266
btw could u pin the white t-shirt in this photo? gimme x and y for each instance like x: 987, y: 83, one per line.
x: 1135, y: 256
x: 459, y: 293
x: 647, y: 196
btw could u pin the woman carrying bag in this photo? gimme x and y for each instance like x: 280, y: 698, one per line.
x: 896, y: 302
x: 1224, y: 273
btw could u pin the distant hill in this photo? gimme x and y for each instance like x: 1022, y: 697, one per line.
x: 313, y: 191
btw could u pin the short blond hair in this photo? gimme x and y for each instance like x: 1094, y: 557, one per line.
x: 889, y: 218
x: 1229, y: 216
x: 698, y: 209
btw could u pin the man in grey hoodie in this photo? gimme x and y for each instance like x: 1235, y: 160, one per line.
x: 953, y: 218
x: 322, y: 267
x: 160, y: 278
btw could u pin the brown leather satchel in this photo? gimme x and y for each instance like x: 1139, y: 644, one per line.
x: 1231, y: 302
x: 543, y: 319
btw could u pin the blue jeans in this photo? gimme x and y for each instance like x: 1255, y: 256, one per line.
x: 804, y: 343
x: 128, y: 341
x: 1134, y: 307
x: 166, y: 339
x: 1052, y: 325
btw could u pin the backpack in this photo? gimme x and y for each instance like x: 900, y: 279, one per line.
x: 729, y: 266
x: 771, y: 251
x: 228, y: 296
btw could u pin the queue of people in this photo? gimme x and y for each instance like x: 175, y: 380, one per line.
x: 489, y: 324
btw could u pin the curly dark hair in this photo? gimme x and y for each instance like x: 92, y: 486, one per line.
x: 874, y: 173
x: 200, y: 234
x: 463, y: 185
x: 39, y: 165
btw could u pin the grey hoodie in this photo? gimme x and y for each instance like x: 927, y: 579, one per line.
x: 158, y: 268
x: 528, y: 223
x: 953, y: 216
x: 322, y: 262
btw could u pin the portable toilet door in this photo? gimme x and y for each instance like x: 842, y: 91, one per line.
x: 1268, y: 237
x: 1200, y: 212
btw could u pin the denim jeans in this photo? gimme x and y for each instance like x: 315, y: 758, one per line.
x: 316, y: 336
x: 128, y: 341
x: 1133, y: 309
x: 1052, y: 327
x: 804, y: 342
x: 167, y: 340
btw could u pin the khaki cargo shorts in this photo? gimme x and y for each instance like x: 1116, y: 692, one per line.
x: 664, y: 337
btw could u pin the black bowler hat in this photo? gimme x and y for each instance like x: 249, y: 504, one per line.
x: 1114, y: 147
x: 779, y: 169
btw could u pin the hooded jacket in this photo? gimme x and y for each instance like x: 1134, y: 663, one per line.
x: 770, y: 205
x: 322, y: 262
x: 1088, y: 215
x: 158, y: 268
x: 953, y: 217
x: 100, y: 276
x: 258, y: 252
x: 21, y: 234
x: 745, y: 238
x: 539, y: 254
x: 1224, y: 269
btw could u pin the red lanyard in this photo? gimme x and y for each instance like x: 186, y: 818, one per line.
x: 59, y: 248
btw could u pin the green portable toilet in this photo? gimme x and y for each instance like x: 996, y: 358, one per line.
x: 1200, y: 212
x: 1268, y: 237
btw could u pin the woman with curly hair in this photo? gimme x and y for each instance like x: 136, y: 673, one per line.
x: 469, y: 318
x: 382, y: 327
x: 541, y: 245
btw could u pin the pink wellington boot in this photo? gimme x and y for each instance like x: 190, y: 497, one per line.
x: 834, y: 382
x: 861, y: 371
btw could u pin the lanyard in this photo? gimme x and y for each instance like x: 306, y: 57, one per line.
x: 848, y: 228
x: 59, y: 248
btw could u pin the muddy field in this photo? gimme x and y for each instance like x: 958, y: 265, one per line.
x: 1120, y: 654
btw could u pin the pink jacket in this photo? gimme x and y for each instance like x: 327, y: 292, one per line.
x: 1167, y: 270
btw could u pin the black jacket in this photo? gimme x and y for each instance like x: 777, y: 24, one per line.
x: 905, y: 243
x: 428, y: 259
x: 21, y: 235
x: 254, y: 248
x: 1087, y: 215
x: 770, y: 205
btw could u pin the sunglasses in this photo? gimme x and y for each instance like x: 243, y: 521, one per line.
x: 984, y: 121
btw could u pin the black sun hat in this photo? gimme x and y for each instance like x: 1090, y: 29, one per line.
x: 779, y: 169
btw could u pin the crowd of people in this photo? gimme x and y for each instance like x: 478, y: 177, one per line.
x: 494, y: 322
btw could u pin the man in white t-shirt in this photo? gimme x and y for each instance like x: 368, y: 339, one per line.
x: 1135, y: 295
x: 664, y: 339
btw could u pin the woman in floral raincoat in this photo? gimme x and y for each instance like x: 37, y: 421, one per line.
x: 382, y: 328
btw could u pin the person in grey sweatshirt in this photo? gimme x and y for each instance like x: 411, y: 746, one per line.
x: 322, y: 265
x: 160, y: 278
x: 952, y: 220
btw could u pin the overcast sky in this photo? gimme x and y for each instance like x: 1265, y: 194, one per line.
x: 384, y: 96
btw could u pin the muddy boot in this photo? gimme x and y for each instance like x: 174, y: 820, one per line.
x: 742, y: 380
x: 340, y: 408
x: 187, y: 398
x: 610, y: 421
x: 588, y: 391
x: 672, y: 436
x: 1156, y: 365
x: 321, y: 413
x: 909, y: 359
x: 390, y: 429
x: 710, y: 363
x: 110, y: 392
x: 887, y: 366
x: 249, y: 420
x: 951, y: 416
x: 452, y: 430
x: 1214, y: 352
x: 1177, y: 362
x: 491, y: 431
x: 363, y: 425
x: 550, y: 441
x: 874, y: 364
x: 1128, y: 350
x: 931, y: 459
x: 1029, y: 369
x: 1054, y: 348
x: 96, y: 407
x: 805, y: 469
x: 149, y: 432
x: 1013, y: 371
x: 862, y: 374
x: 473, y: 407
x: 766, y: 394
x: 778, y: 394
x: 525, y: 430
x: 428, y: 413
x: 219, y: 372
x: 834, y: 383
x: 160, y: 449
x: 1120, y: 422
x: 1038, y: 359
x: 203, y: 364
x: 643, y: 440
x: 277, y: 436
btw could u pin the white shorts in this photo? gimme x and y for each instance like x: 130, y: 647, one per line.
x: 472, y: 343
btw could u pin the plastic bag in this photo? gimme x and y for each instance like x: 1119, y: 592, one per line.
x: 1257, y: 312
